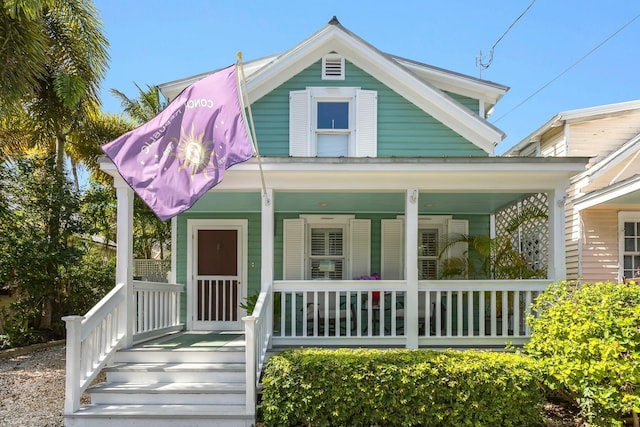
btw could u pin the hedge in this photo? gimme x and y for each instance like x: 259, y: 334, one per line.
x: 587, y: 340
x: 366, y: 387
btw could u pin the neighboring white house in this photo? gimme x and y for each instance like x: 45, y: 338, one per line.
x: 603, y: 202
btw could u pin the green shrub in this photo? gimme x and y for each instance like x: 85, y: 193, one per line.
x: 587, y: 339
x: 400, y: 388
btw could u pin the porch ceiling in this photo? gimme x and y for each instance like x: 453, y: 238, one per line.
x: 392, y: 202
x: 350, y: 202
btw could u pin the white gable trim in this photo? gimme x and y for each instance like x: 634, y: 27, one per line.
x: 576, y: 116
x: 485, y: 91
x: 333, y: 38
x: 606, y: 194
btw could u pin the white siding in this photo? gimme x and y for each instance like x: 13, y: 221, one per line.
x: 572, y: 236
x: 600, y: 137
x: 600, y: 246
x: 553, y: 144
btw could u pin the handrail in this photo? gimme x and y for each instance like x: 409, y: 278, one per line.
x: 157, y: 309
x: 258, y: 327
x: 91, y: 340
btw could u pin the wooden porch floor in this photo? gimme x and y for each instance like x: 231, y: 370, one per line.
x: 195, y: 341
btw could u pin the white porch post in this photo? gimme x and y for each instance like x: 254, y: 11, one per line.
x: 411, y: 265
x: 557, y: 269
x: 124, y: 260
x: 266, y: 256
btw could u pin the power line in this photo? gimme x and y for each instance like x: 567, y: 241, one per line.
x: 568, y: 68
x: 484, y: 66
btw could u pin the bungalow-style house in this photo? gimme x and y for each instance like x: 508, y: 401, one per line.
x: 603, y: 202
x: 370, y: 161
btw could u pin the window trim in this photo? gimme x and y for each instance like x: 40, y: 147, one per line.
x: 363, y: 122
x: 333, y: 94
x: 327, y: 222
x: 311, y: 257
x: 624, y: 216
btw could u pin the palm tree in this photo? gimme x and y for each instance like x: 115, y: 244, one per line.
x: 143, y: 108
x: 60, y: 91
x: 492, y: 258
x: 55, y: 90
x: 23, y: 50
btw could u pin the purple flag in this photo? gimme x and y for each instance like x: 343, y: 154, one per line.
x: 177, y: 156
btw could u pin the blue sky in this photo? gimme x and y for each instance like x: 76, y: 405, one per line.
x: 156, y: 41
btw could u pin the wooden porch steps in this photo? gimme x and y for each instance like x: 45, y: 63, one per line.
x: 161, y: 415
x: 184, y: 386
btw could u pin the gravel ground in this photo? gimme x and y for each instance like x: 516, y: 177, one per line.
x: 32, y: 388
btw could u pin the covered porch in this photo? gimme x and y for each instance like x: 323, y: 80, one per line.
x: 382, y: 206
x: 407, y: 307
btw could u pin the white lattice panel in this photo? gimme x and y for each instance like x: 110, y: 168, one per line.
x: 533, y: 237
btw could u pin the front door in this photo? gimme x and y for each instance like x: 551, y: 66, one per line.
x: 217, y: 286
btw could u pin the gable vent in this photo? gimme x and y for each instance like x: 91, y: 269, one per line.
x: 333, y: 67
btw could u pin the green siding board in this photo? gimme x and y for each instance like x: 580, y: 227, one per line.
x: 478, y: 224
x: 471, y: 103
x: 422, y: 135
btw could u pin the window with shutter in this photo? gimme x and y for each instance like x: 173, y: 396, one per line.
x: 428, y: 254
x: 431, y: 231
x: 333, y: 122
x: 326, y: 258
x: 336, y: 247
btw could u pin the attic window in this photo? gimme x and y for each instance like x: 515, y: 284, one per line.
x: 333, y: 67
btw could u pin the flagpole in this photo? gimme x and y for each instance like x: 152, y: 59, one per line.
x: 254, y: 138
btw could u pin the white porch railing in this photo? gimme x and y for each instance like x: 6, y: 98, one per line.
x: 92, y: 339
x: 476, y: 312
x: 157, y: 309
x: 258, y: 329
x: 449, y: 312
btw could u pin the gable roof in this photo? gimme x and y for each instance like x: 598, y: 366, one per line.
x: 574, y: 116
x: 420, y: 84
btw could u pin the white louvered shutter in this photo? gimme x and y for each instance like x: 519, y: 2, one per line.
x: 392, y: 256
x: 299, y: 123
x: 293, y: 251
x: 366, y: 123
x: 360, y: 247
x: 457, y: 227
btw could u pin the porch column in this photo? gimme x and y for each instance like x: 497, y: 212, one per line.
x: 557, y: 269
x: 266, y: 250
x: 411, y: 266
x: 124, y: 252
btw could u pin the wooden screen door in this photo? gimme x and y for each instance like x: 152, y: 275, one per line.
x: 217, y: 288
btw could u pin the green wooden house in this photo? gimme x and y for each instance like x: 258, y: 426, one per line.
x: 370, y: 162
